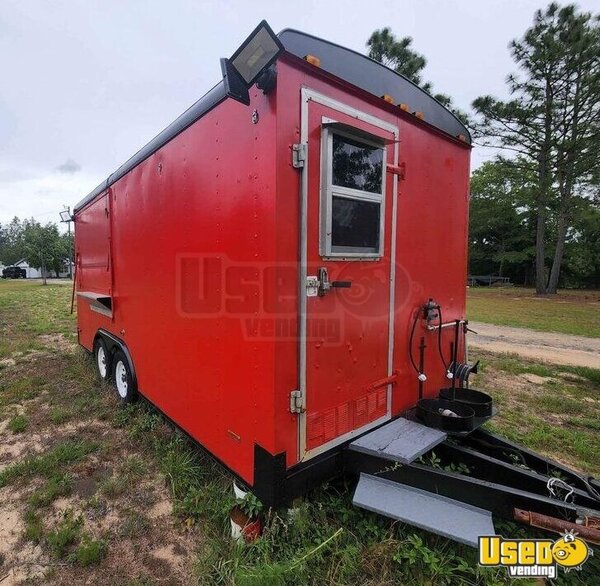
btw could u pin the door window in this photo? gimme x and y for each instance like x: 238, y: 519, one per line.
x: 353, y: 195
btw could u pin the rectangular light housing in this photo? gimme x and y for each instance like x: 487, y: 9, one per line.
x: 256, y: 53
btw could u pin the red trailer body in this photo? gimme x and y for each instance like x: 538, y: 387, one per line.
x: 261, y: 265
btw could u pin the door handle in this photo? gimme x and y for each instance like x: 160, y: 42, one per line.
x: 325, y: 284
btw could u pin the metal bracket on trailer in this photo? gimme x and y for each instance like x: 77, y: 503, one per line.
x: 298, y: 155
x: 296, y: 402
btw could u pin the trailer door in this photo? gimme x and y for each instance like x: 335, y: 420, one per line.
x: 92, y: 238
x: 347, y: 272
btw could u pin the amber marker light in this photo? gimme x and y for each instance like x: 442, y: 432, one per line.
x: 312, y: 60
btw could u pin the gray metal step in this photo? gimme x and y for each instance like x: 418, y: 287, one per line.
x: 439, y: 514
x: 400, y: 440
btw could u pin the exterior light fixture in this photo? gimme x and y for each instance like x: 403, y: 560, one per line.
x: 246, y: 65
x: 65, y: 216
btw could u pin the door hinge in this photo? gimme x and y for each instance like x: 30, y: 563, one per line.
x: 296, y: 402
x: 298, y: 155
x: 399, y: 170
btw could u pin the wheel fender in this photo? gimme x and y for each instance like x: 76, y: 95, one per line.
x: 114, y: 344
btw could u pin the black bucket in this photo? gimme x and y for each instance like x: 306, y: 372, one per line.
x: 430, y: 412
x: 479, y: 401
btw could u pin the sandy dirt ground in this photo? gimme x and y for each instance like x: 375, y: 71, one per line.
x: 552, y: 347
x: 131, y: 512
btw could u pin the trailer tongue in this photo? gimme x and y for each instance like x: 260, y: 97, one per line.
x: 435, y: 467
x: 453, y: 485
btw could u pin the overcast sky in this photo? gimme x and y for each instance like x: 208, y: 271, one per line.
x: 85, y: 84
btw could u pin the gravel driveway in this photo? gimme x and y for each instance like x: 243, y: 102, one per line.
x: 548, y: 346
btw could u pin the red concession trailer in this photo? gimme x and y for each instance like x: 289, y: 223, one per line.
x: 260, y: 271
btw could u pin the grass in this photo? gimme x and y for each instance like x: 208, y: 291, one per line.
x: 18, y: 424
x: 65, y: 535
x: 569, y: 312
x: 90, y: 551
x: 47, y: 463
x: 34, y: 528
x: 135, y: 524
x: 327, y: 541
x: 513, y: 364
x: 559, y: 415
x: 21, y: 389
x: 56, y: 486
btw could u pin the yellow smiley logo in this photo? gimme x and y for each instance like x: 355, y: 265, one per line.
x: 570, y: 551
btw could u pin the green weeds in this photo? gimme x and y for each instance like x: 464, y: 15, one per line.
x: 65, y: 535
x: 58, y: 485
x: 18, y: 424
x: 89, y: 551
x: 47, y: 463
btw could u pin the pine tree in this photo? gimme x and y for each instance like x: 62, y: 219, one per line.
x: 551, y: 121
x: 397, y: 54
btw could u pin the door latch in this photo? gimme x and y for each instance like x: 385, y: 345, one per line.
x: 325, y: 284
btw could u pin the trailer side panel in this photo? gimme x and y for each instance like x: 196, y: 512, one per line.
x: 193, y: 229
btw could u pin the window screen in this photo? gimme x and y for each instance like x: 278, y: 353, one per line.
x: 356, y: 165
x: 355, y: 224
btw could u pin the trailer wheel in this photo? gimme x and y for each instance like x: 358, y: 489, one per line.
x: 123, y: 378
x: 103, y: 359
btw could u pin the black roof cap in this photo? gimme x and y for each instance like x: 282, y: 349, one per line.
x: 349, y: 65
x: 373, y: 77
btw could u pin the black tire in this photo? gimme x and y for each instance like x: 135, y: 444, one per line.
x: 103, y: 359
x: 123, y: 379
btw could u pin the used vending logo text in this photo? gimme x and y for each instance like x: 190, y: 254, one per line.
x: 263, y: 298
x: 525, y: 558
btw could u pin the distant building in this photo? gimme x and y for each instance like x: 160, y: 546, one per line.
x: 32, y: 273
x: 36, y: 273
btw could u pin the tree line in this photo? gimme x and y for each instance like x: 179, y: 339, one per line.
x: 41, y: 245
x: 535, y: 207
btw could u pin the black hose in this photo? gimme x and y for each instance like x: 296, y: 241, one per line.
x: 455, y: 357
x: 421, y: 365
x: 446, y: 366
x: 410, y: 341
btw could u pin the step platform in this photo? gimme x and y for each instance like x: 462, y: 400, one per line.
x: 400, y: 440
x: 439, y: 514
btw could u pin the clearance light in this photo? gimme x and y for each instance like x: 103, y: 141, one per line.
x: 419, y: 115
x: 404, y: 107
x: 253, y: 57
x: 388, y: 98
x: 312, y: 60
x: 462, y: 137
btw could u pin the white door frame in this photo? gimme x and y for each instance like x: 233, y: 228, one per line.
x: 307, y: 96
